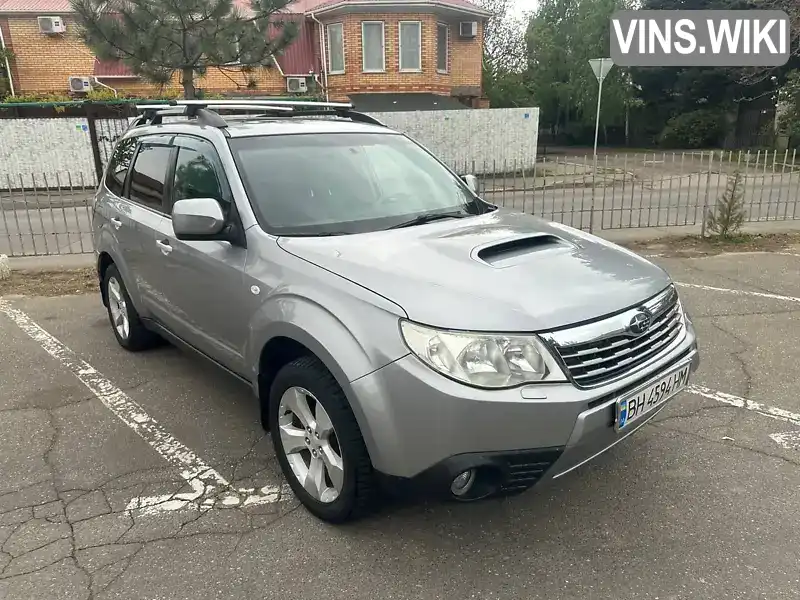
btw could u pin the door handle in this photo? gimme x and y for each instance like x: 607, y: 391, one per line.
x: 164, y: 246
x: 116, y: 222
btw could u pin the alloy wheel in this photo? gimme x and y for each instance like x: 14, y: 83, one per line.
x: 119, y: 308
x: 309, y: 441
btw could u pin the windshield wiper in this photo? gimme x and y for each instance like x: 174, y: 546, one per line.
x: 428, y: 218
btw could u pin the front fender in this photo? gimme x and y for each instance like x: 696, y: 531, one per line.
x: 351, y: 342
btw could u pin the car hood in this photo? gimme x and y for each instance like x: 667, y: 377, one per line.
x: 502, y: 271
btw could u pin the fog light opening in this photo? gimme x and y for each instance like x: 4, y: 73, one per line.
x: 462, y: 483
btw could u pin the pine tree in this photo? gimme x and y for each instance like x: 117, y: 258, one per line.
x: 728, y: 215
x: 158, y: 38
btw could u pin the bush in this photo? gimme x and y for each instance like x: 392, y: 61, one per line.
x: 702, y: 128
x: 100, y: 95
x: 23, y: 98
x: 726, y: 218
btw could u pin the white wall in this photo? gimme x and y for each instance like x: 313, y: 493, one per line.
x: 45, y: 152
x: 496, y: 140
x: 48, y: 152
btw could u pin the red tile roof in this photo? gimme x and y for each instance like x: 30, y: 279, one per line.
x: 37, y: 6
x: 295, y: 7
x: 315, y: 5
x: 111, y: 68
x: 302, y: 6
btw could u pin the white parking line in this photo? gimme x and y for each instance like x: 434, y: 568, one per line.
x: 209, y: 488
x: 762, y: 409
x: 790, y: 440
x: 738, y: 292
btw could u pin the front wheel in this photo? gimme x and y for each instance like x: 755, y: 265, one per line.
x: 319, y: 444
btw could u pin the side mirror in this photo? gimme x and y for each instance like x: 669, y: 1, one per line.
x: 472, y: 182
x: 197, y: 219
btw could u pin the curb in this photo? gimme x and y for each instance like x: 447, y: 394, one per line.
x: 51, y: 262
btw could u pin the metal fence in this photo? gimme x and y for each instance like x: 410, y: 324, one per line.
x: 649, y: 189
x: 626, y: 190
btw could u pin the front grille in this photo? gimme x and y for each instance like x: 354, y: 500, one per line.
x: 610, y: 356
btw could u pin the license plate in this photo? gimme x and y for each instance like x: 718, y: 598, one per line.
x: 636, y: 406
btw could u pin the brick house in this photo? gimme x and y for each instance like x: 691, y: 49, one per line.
x: 381, y: 54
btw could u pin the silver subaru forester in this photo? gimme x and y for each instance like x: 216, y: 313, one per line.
x: 399, y: 332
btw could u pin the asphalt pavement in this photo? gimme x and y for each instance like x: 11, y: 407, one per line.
x: 701, y: 503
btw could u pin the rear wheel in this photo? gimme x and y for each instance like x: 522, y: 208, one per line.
x: 318, y: 443
x: 125, y: 322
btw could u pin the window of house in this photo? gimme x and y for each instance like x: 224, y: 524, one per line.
x: 442, y: 47
x: 118, y: 169
x: 373, y: 46
x: 410, y: 46
x: 336, y: 48
x: 149, y: 175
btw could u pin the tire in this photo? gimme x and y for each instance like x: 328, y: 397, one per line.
x: 135, y: 337
x: 359, y: 492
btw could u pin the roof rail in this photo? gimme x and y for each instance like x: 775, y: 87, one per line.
x: 259, y: 103
x: 205, y: 110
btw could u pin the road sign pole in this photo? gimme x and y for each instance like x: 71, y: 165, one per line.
x: 601, y: 67
x: 597, y: 120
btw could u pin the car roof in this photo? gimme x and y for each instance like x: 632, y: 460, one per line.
x: 241, y: 128
x: 246, y: 128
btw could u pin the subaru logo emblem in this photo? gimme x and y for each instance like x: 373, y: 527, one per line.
x: 639, y: 323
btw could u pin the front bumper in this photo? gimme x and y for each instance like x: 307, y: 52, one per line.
x: 423, y: 429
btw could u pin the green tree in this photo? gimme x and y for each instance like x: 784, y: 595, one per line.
x: 5, y: 55
x: 562, y: 36
x: 789, y: 105
x: 157, y: 39
x: 669, y: 92
x: 504, y: 57
x: 727, y: 216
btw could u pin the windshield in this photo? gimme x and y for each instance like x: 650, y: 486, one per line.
x: 340, y: 183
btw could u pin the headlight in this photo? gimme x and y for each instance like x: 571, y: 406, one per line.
x: 484, y: 360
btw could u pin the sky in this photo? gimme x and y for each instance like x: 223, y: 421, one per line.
x: 521, y: 7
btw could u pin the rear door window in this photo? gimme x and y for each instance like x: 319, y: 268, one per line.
x: 149, y: 175
x: 118, y: 167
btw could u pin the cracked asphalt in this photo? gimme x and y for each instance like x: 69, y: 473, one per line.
x: 701, y: 503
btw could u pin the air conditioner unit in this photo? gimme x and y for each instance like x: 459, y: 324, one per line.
x: 468, y: 29
x: 296, y: 84
x: 80, y: 84
x: 50, y: 25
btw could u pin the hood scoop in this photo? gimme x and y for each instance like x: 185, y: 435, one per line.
x: 509, y: 252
